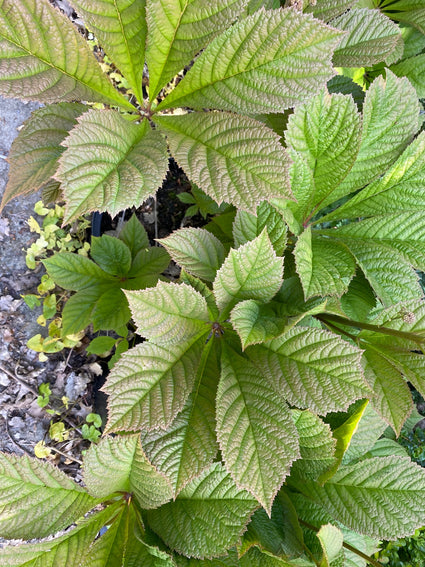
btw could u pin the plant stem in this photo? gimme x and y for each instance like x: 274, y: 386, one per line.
x: 346, y: 545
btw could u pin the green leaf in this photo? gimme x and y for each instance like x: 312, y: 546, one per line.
x: 226, y: 154
x: 326, y: 132
x: 257, y: 435
x: 413, y: 69
x: 317, y: 445
x: 150, y: 384
x: 359, y: 300
x: 371, y: 38
x: 37, y: 499
x: 196, y: 250
x: 204, y: 290
x: 331, y: 540
x: 369, y: 429
x: 35, y: 151
x: 169, y: 312
x: 74, y: 272
x: 247, y: 227
x: 110, y: 164
x: 237, y: 68
x: 121, y: 30
x: 207, y: 517
x: 78, y: 310
x: 324, y: 265
x: 134, y: 235
x: 146, y: 267
x: 133, y: 472
x: 407, y: 11
x: 254, y: 5
x: 179, y: 30
x: 189, y: 445
x: 257, y: 322
x: 328, y: 9
x: 111, y: 310
x: 390, y: 120
x: 346, y: 86
x: 253, y: 271
x: 313, y: 369
x: 51, y: 62
x: 380, y: 497
x: 111, y: 254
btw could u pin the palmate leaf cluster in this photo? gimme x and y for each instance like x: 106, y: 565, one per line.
x: 245, y: 428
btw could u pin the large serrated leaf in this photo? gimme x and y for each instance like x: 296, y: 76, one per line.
x: 189, y: 444
x: 369, y: 429
x: 226, y: 154
x: 313, y: 368
x: 44, y: 58
x: 150, y: 384
x: 380, y: 497
x: 371, y: 38
x: 110, y: 164
x: 196, y: 250
x: 260, y: 65
x: 257, y: 436
x: 325, y: 267
x: 35, y: 151
x: 169, y: 312
x: 247, y: 226
x: 326, y: 132
x: 207, y: 517
x: 134, y: 235
x: 37, y: 499
x: 179, y: 30
x: 133, y: 472
x: 253, y: 271
x: 75, y: 272
x: 407, y: 11
x: 413, y: 69
x: 111, y: 254
x: 328, y: 9
x: 120, y: 27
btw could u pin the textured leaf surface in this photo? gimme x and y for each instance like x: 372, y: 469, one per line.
x: 371, y: 38
x: 257, y: 436
x: 325, y: 267
x: 44, y: 58
x: 390, y: 120
x: 313, y: 368
x: 35, y: 152
x: 407, y: 11
x: 75, y: 272
x: 331, y: 540
x: 253, y: 271
x: 267, y: 62
x: 328, y: 9
x: 226, y: 155
x: 134, y: 235
x: 189, y: 445
x: 150, y: 384
x: 257, y: 322
x: 381, y: 497
x: 178, y: 30
x: 317, y: 445
x: 132, y: 472
x: 196, y: 250
x: 37, y: 499
x: 369, y: 429
x: 246, y: 227
x: 207, y: 517
x: 326, y: 132
x: 110, y: 164
x: 111, y: 255
x: 413, y: 69
x: 169, y: 312
x: 120, y: 27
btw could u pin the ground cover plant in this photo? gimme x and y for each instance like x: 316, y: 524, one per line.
x: 245, y: 428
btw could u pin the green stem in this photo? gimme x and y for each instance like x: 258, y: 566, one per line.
x: 346, y: 545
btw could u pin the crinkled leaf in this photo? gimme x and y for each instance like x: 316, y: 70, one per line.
x: 248, y: 226
x: 325, y: 266
x: 369, y: 429
x: 110, y: 164
x: 207, y: 517
x: 407, y: 11
x: 146, y: 267
x: 229, y: 560
x: 37, y: 499
x: 110, y: 310
x: 313, y: 368
x: 413, y: 69
x: 381, y: 497
x: 253, y: 271
x: 75, y: 272
x: 328, y: 9
x: 132, y: 472
x: 256, y: 432
x: 120, y: 27
x: 259, y: 65
x: 414, y: 41
x: 111, y: 254
x: 371, y: 38
x: 317, y: 445
x: 204, y: 290
x: 189, y: 445
x: 326, y: 132
x: 35, y: 151
x: 346, y: 86
x: 359, y: 300
x: 44, y: 58
x: 179, y: 30
x: 196, y: 250
x: 331, y: 540
x: 150, y: 384
x: 134, y: 235
x: 226, y: 155
x: 169, y: 312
